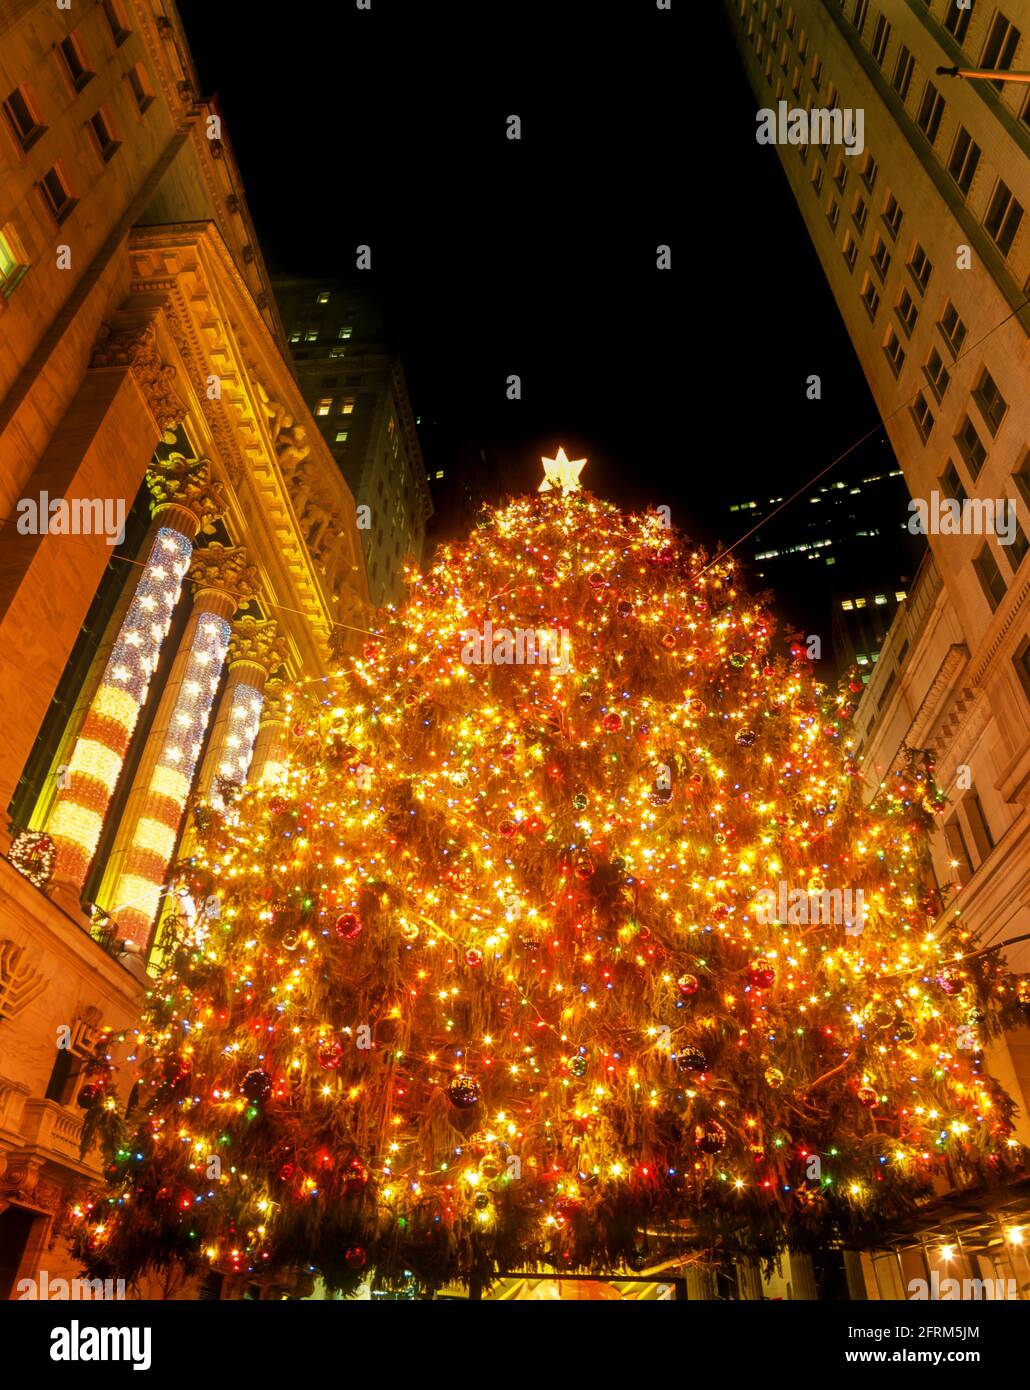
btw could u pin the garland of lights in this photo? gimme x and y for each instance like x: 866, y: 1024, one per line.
x: 99, y: 751
x: 139, y: 885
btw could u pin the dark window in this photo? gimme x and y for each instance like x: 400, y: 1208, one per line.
x: 936, y: 373
x: 64, y: 1077
x: 990, y: 400
x: 116, y: 22
x: 965, y: 156
x: 922, y: 415
x: 992, y: 581
x: 22, y: 119
x: 1022, y: 478
x: 921, y: 267
x: 952, y: 483
x: 881, y: 38
x: 979, y: 830
x: 57, y: 194
x: 75, y: 62
x: 861, y: 11
x: 931, y: 109
x: 961, y: 865
x: 903, y: 69
x: 970, y: 447
x: 952, y: 328
x: 892, y: 215
x: 907, y: 312
x: 107, y: 143
x: 140, y: 87
x: 1003, y: 218
x: 956, y: 21
x: 1002, y: 42
x: 1021, y: 661
x: 1016, y: 552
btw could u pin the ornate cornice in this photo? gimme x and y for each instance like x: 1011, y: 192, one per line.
x: 273, y: 711
x: 226, y: 569
x: 136, y: 348
x: 259, y: 641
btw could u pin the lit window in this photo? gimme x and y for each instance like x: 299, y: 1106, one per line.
x: 341, y: 436
x: 323, y: 298
x: 13, y: 260
x: 337, y: 352
x: 347, y: 408
x: 311, y: 336
x: 294, y: 337
x: 900, y: 594
x: 324, y: 406
x: 345, y: 332
x: 439, y: 473
x: 862, y: 659
x: 881, y: 598
x: 847, y: 605
x: 860, y: 603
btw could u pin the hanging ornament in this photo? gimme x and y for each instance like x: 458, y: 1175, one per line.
x: 773, y: 1077
x: 356, y: 1257
x: 710, y: 1137
x: 549, y: 576
x: 330, y: 1053
x: 596, y: 581
x: 687, y: 985
x: 905, y: 1031
x: 584, y: 868
x: 290, y: 941
x: 867, y: 1096
x: 257, y: 1085
x: 463, y: 1091
x: 578, y: 1065
x: 667, y: 640
x: 89, y: 1094
x: 612, y: 723
x: 580, y: 801
x: 950, y: 981
x: 737, y: 660
x: 348, y: 926
x: 624, y: 609
x: 692, y: 1059
x: 481, y: 1201
x: 761, y: 973
x: 882, y: 1016
x: 277, y: 805
x: 473, y: 957
x: 746, y: 738
x: 355, y: 1178
x: 409, y: 931
x: 1023, y: 995
x: 490, y: 1167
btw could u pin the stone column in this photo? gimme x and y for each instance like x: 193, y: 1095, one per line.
x: 255, y: 650
x: 265, y: 763
x: 221, y: 579
x: 109, y: 706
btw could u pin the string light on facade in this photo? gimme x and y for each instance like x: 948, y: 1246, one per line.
x: 99, y: 751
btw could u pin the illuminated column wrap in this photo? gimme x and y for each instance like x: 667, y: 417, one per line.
x: 184, y: 498
x: 265, y: 764
x: 255, y: 651
x: 221, y: 579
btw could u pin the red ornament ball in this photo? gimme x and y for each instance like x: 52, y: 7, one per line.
x: 89, y: 1095
x: 867, y: 1097
x: 687, y: 985
x: 473, y: 957
x: 356, y: 1257
x: 348, y: 926
x: 612, y: 723
x: 330, y: 1053
x: 761, y: 974
x: 667, y: 640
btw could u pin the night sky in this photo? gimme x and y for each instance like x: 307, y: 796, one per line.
x: 538, y: 257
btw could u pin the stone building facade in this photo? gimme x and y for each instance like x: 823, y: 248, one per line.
x: 177, y: 541
x: 925, y: 242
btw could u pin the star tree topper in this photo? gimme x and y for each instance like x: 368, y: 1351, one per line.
x: 561, y: 472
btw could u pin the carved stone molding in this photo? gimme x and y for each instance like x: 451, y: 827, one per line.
x: 257, y: 640
x: 20, y: 982
x: 136, y: 348
x: 225, y: 568
x: 273, y: 711
x: 188, y: 483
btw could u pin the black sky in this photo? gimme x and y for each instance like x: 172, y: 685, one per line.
x: 537, y: 257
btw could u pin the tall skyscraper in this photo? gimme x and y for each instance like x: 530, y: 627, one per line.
x: 355, y: 388
x: 921, y: 231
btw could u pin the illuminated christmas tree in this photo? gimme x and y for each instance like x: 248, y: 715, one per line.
x: 560, y: 937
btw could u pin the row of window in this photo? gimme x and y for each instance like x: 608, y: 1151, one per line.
x: 312, y: 335
x: 849, y: 604
x: 1004, y: 213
